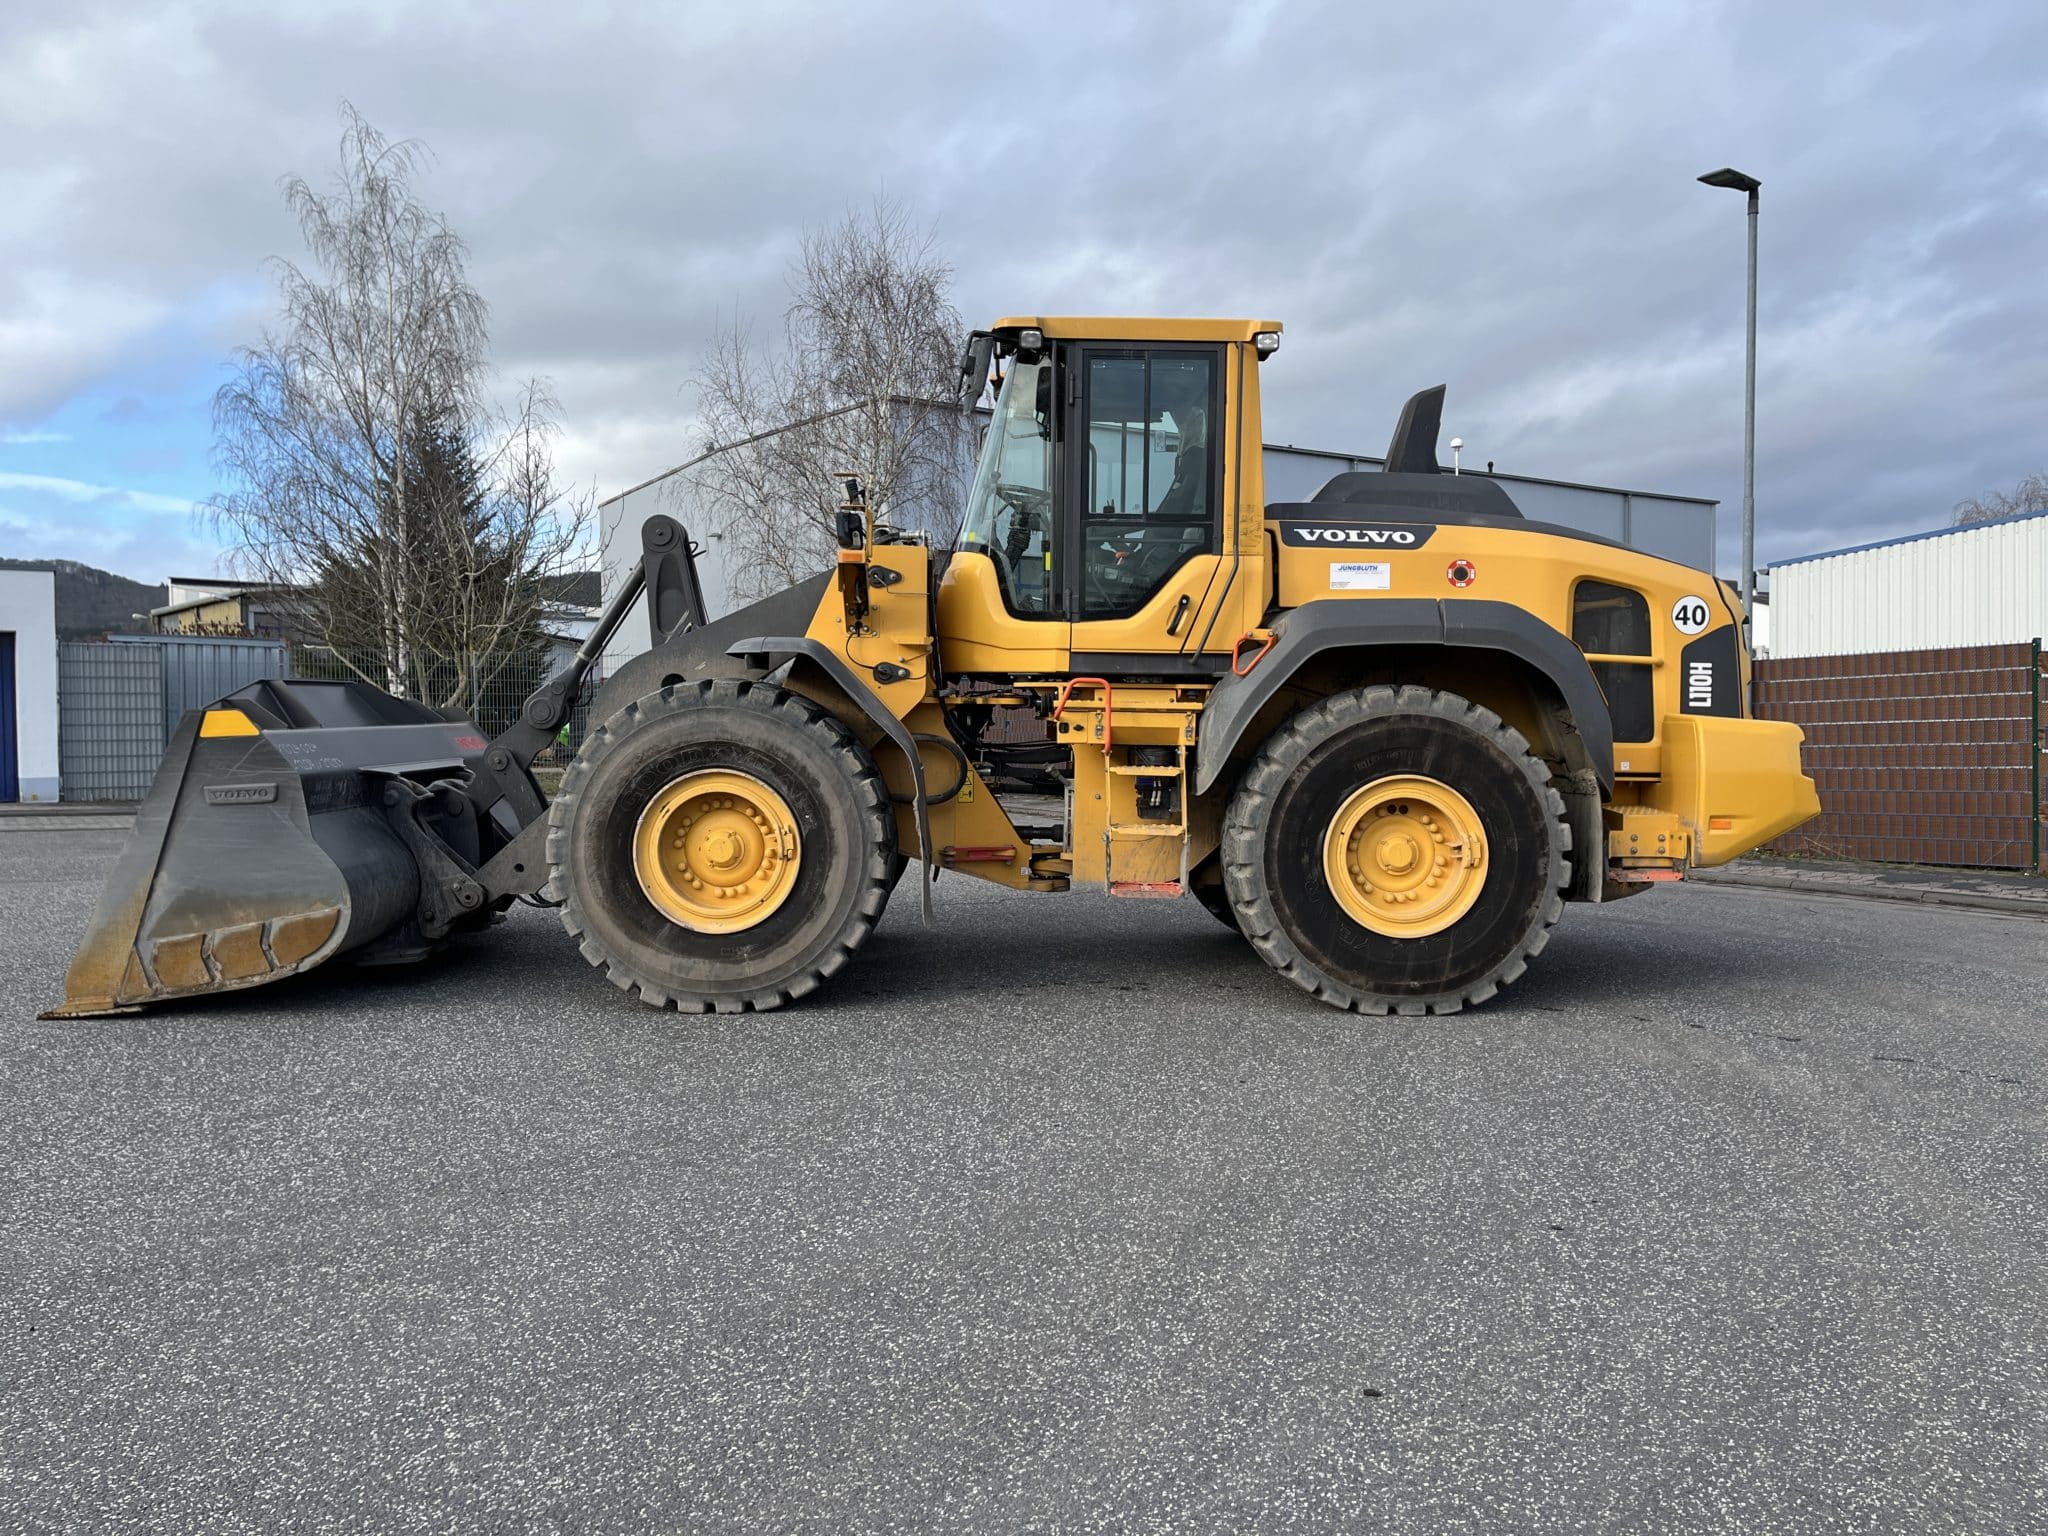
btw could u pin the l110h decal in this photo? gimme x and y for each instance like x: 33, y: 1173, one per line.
x: 1709, y: 676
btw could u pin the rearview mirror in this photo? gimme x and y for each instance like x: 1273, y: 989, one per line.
x: 974, y: 366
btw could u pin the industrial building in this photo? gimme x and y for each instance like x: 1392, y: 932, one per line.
x: 1977, y: 584
x: 1679, y: 528
x: 28, y: 686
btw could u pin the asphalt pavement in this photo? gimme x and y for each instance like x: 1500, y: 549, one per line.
x: 1065, y: 1215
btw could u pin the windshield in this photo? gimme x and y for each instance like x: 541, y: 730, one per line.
x: 1007, y: 509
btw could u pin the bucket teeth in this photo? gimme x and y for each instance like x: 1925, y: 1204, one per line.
x: 180, y: 963
x: 190, y: 963
x: 201, y: 962
x: 238, y: 953
x: 293, y: 939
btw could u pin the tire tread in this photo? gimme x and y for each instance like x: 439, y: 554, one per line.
x: 1249, y: 815
x: 871, y: 796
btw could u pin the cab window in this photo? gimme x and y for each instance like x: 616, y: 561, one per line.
x: 1009, y: 509
x: 1148, y: 486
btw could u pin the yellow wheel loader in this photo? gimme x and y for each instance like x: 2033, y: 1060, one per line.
x: 1385, y: 734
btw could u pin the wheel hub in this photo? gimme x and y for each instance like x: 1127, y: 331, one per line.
x: 1397, y: 854
x: 717, y: 852
x: 1405, y: 856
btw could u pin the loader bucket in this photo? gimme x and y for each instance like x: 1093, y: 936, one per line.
x: 262, y: 849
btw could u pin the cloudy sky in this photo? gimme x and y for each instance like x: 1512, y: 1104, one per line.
x: 1498, y: 196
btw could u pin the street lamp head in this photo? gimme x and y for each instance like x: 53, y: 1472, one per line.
x: 1732, y: 179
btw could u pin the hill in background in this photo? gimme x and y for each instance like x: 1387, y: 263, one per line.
x: 92, y: 602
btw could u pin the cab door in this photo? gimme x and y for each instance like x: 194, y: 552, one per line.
x: 1143, y: 477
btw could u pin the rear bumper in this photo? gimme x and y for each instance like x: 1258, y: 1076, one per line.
x: 1736, y: 784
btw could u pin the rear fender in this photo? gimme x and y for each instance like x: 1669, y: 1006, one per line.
x: 1448, y: 625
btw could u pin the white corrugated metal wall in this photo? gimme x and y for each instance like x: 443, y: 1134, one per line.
x: 1982, y: 585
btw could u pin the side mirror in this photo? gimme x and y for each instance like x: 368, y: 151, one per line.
x: 974, y: 366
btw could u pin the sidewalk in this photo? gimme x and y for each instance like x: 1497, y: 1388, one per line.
x: 67, y: 816
x: 1984, y: 889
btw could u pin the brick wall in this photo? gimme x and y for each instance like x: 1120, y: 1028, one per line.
x: 1921, y: 757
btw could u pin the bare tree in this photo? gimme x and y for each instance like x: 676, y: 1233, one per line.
x: 370, y: 471
x: 2030, y: 495
x: 862, y: 385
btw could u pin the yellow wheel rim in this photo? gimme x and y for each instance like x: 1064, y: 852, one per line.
x: 717, y: 852
x: 1406, y: 856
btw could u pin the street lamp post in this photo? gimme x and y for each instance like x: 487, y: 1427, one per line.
x: 1736, y: 181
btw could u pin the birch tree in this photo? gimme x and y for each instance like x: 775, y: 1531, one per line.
x: 862, y: 384
x: 2030, y: 495
x: 369, y: 469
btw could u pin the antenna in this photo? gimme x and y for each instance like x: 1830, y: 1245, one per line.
x: 1457, y: 444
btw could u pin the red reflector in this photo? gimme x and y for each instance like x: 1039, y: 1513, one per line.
x: 471, y: 743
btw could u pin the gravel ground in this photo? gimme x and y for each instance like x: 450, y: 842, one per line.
x: 1064, y: 1216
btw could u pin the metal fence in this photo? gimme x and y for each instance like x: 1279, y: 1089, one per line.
x: 110, y: 719
x: 199, y: 669
x: 1921, y: 757
x: 119, y: 700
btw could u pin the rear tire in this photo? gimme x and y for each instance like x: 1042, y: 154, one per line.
x: 782, y: 741
x: 1297, y: 789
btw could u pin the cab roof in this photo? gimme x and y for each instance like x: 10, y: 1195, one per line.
x: 1127, y: 328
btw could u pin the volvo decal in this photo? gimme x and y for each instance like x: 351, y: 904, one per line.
x: 1313, y: 535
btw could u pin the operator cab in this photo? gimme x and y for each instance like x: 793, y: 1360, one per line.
x: 1101, y: 474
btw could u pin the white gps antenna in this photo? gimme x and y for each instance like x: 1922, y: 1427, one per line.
x: 1457, y: 444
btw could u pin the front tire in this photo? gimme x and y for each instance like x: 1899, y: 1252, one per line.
x: 1209, y: 890
x: 1331, y: 841
x: 820, y: 875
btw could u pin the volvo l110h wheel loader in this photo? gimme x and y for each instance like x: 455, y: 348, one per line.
x: 1384, y: 733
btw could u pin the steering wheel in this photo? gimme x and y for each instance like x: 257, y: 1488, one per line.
x: 1025, y: 500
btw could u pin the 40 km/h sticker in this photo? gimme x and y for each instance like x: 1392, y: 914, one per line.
x: 1690, y: 615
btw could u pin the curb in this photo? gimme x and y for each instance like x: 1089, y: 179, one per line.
x: 75, y: 821
x: 2022, y: 906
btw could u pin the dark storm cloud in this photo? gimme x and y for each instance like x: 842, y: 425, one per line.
x: 1500, y: 197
